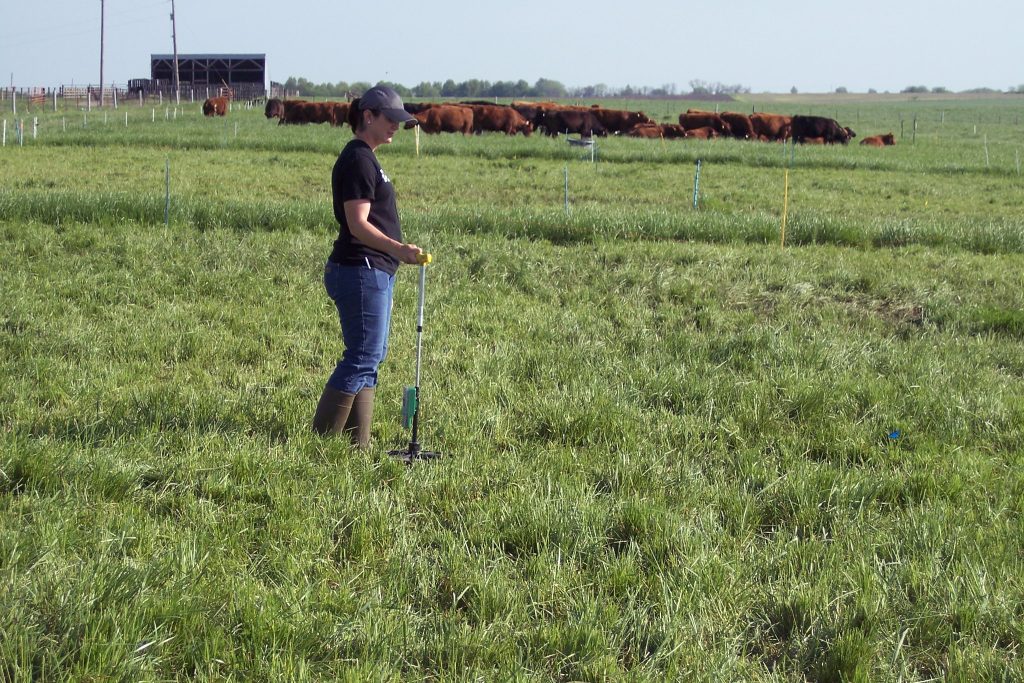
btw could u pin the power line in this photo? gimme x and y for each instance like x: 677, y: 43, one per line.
x: 57, y: 29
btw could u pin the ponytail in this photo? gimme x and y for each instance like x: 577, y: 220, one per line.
x: 354, y: 115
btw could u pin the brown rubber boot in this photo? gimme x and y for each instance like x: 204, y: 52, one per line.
x: 361, y: 418
x: 332, y: 412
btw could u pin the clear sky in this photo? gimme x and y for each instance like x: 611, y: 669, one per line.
x: 813, y: 45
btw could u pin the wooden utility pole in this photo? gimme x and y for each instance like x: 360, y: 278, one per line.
x: 174, y: 41
x: 101, y: 51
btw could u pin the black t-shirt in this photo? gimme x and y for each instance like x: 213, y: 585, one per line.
x: 358, y: 175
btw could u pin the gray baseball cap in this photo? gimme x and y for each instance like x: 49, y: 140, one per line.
x: 388, y: 102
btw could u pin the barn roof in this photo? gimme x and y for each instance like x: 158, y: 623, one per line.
x: 211, y: 55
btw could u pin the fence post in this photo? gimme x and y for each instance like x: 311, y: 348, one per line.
x: 696, y: 184
x: 4, y: 144
x: 35, y: 127
x: 785, y: 208
x: 567, y: 189
x: 167, y: 195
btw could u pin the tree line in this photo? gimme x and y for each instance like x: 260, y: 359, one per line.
x: 551, y: 89
x: 542, y: 87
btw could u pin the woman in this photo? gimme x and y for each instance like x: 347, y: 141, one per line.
x: 360, y: 273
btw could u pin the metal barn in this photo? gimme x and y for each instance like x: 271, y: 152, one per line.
x: 207, y: 74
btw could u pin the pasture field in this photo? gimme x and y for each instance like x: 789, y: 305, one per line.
x: 674, y: 450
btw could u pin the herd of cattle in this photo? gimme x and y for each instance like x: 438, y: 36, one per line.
x: 555, y: 119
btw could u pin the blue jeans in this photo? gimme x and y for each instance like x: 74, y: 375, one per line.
x: 363, y: 297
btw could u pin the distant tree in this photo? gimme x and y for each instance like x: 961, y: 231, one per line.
x: 501, y: 89
x: 474, y: 88
x: 872, y: 91
x: 545, y: 87
x: 699, y: 87
x: 980, y: 91
x: 359, y: 87
x: 793, y: 90
x: 841, y: 90
x: 448, y: 89
x: 397, y: 87
x: 914, y: 89
x: 939, y: 89
x: 426, y: 89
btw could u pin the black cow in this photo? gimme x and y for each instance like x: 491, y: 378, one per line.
x: 805, y: 128
x: 584, y: 123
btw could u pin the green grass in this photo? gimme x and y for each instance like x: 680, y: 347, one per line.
x: 674, y: 451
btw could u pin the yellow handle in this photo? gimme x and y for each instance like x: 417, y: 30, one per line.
x: 424, y: 258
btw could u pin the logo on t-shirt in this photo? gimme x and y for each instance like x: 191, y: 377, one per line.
x: 384, y: 176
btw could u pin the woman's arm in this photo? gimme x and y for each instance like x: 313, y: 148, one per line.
x: 357, y: 214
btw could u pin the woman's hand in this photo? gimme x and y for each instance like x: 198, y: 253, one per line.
x: 409, y: 253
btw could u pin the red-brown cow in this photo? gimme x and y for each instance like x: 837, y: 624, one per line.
x: 300, y: 112
x: 215, y: 106
x: 704, y: 119
x: 673, y: 131
x: 500, y: 119
x: 619, y: 121
x: 739, y: 125
x: 654, y: 130
x: 274, y: 108
x: 645, y: 130
x: 339, y: 113
x: 702, y: 133
x: 879, y: 140
x: 771, y: 127
x: 446, y: 118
